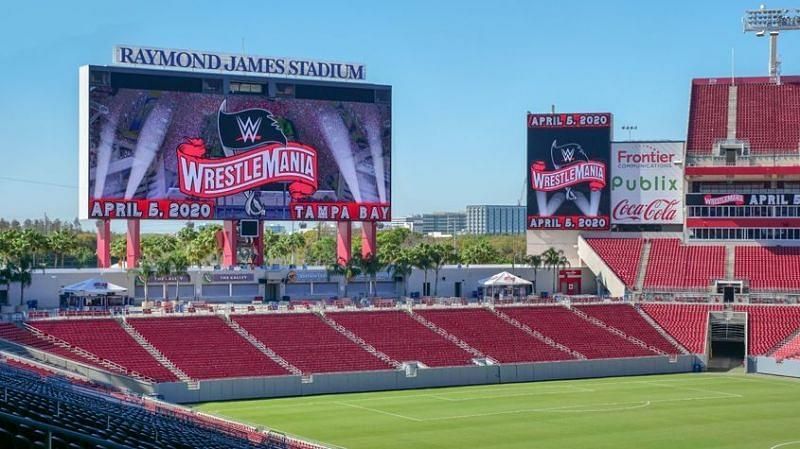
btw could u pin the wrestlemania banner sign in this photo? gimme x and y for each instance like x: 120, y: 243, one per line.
x: 189, y: 155
x: 568, y: 175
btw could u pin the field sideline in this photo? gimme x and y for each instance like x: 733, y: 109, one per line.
x: 668, y: 411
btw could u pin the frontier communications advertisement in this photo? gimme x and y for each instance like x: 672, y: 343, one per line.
x: 172, y: 154
x: 568, y: 177
x: 647, y: 183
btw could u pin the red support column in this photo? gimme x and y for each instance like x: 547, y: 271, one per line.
x: 103, y: 243
x: 134, y: 249
x: 369, y: 246
x: 230, y: 237
x: 258, y: 246
x: 344, y: 240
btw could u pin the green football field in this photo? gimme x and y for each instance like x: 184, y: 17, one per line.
x: 668, y: 411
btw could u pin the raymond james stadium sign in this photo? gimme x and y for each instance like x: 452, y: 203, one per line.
x: 203, y: 61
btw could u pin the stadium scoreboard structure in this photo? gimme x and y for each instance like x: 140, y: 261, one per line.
x: 171, y: 145
x: 568, y: 158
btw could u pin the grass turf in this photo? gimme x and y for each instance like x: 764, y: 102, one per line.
x: 669, y: 411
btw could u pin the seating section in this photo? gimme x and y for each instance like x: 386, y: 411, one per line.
x: 686, y: 323
x: 768, y: 326
x: 623, y: 256
x: 402, y: 338
x: 106, y: 339
x: 572, y: 331
x: 708, y: 117
x: 674, y: 266
x: 790, y: 350
x: 79, y: 420
x: 768, y: 116
x: 488, y: 333
x: 22, y: 336
x: 769, y: 268
x: 625, y: 318
x: 308, y: 343
x: 205, y: 347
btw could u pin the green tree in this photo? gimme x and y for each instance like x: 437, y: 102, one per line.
x: 348, y: 270
x: 62, y: 243
x: 553, y: 259
x: 83, y: 257
x: 422, y: 255
x: 144, y: 272
x: 371, y: 266
x: 478, y: 251
x: 441, y: 255
x: 535, y: 262
x: 402, y: 265
x: 32, y: 243
x: 119, y: 248
x: 322, y: 251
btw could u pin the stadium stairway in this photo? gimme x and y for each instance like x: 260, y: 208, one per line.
x: 602, y: 324
x: 398, y: 335
x: 261, y: 346
x: 88, y: 356
x: 358, y: 340
x: 448, y: 336
x: 789, y: 348
x: 161, y: 358
x: 536, y: 334
x: 627, y: 320
x: 661, y: 330
x: 493, y: 336
x: 309, y: 343
x: 645, y: 257
x: 576, y: 332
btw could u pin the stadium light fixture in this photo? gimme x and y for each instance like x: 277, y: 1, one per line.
x: 762, y: 21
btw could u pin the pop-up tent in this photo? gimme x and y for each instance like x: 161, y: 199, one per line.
x: 504, y: 279
x: 502, y: 282
x: 93, y: 292
x: 94, y: 287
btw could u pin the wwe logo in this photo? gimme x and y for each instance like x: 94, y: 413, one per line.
x: 249, y: 129
x: 568, y: 154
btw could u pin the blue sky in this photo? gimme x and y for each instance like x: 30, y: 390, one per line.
x: 464, y: 73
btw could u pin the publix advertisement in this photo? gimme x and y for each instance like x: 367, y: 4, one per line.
x: 646, y: 183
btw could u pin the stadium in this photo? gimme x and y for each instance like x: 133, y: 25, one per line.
x: 668, y: 314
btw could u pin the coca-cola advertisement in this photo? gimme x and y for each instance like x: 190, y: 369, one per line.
x: 568, y: 156
x: 647, y: 183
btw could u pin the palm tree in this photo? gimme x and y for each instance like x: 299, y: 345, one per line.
x: 370, y: 266
x: 21, y: 272
x: 402, y: 265
x: 179, y: 264
x: 348, y: 270
x: 119, y: 249
x: 440, y: 256
x: 33, y: 242
x: 145, y: 271
x: 534, y: 261
x: 422, y: 259
x: 63, y: 242
x: 551, y: 259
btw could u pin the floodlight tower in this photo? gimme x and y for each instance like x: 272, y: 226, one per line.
x: 762, y: 21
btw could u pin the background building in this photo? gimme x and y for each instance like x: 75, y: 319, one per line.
x: 443, y: 223
x: 495, y: 219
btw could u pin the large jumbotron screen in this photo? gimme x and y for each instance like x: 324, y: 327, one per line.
x: 156, y: 146
x: 567, y: 171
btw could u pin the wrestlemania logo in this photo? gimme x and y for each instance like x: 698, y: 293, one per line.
x: 258, y: 154
x: 571, y: 167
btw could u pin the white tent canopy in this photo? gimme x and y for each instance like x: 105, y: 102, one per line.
x: 504, y: 279
x: 94, y: 287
